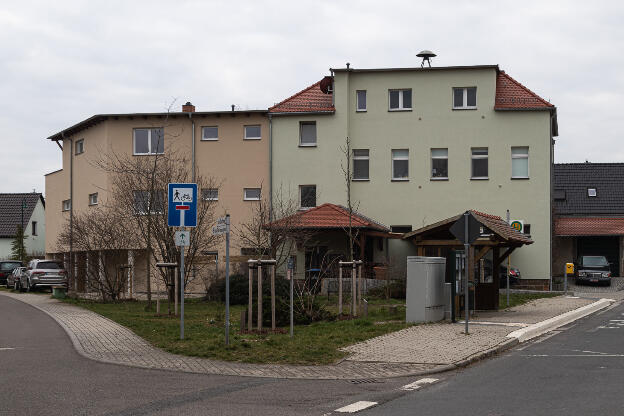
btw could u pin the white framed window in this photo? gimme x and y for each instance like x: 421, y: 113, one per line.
x: 253, y: 132
x: 34, y: 228
x: 591, y: 192
x: 360, y: 96
x: 400, y: 164
x: 465, y: 98
x: 79, y: 146
x: 210, y: 194
x: 143, y: 202
x: 520, y: 162
x: 400, y: 100
x: 479, y: 165
x: 439, y: 164
x: 93, y: 199
x: 251, y: 194
x: 66, y: 205
x: 307, y: 196
x: 361, y: 161
x: 210, y: 133
x: 307, y: 133
x: 149, y: 141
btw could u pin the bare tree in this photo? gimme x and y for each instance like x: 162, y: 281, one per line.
x: 103, y: 236
x: 139, y: 194
x: 352, y: 206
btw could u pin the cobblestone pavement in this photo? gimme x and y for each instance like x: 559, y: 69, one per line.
x: 617, y: 285
x: 416, y: 350
x: 447, y: 343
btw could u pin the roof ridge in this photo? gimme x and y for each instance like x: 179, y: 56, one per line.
x: 296, y: 94
x: 509, y: 77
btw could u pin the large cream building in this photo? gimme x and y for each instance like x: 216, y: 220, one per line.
x: 427, y: 144
x: 229, y: 146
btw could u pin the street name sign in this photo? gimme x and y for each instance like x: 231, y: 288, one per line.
x: 182, y: 205
x: 222, y: 227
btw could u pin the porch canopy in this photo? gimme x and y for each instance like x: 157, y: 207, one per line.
x: 497, y: 236
x: 332, y: 217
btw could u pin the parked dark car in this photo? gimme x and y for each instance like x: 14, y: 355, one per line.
x: 14, y: 278
x: 43, y: 273
x: 593, y: 269
x: 6, y: 268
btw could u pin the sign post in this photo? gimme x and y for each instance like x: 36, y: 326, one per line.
x: 182, y: 212
x: 467, y: 229
x: 223, y: 227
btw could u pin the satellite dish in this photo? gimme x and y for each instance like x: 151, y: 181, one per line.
x: 326, y: 85
x: 426, y: 56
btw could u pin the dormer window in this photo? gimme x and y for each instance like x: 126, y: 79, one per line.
x: 591, y: 192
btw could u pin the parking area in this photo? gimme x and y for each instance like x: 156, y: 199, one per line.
x: 617, y: 284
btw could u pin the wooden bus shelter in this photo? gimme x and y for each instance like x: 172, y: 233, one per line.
x: 496, y: 236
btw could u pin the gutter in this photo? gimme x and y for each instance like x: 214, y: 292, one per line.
x: 270, y: 167
x: 190, y: 114
x: 71, y: 208
x: 303, y: 113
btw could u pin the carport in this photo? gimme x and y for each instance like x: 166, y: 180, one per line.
x: 496, y: 237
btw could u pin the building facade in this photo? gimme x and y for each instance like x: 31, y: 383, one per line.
x: 425, y: 143
x: 231, y: 147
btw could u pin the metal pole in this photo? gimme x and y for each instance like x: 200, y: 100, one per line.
x: 250, y: 307
x: 175, y: 290
x: 182, y: 293
x: 272, y: 296
x: 259, y: 297
x: 292, y: 318
x: 565, y: 281
x: 353, y: 291
x: 508, y: 262
x: 227, y: 279
x: 467, y: 250
x: 340, y: 290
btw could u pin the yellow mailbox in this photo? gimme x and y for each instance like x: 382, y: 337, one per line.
x: 569, y: 268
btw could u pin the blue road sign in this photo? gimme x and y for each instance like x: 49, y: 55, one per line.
x: 182, y: 207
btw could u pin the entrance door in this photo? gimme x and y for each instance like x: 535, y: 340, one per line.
x: 601, y: 246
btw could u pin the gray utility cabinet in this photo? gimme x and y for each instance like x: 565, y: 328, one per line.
x: 425, y: 289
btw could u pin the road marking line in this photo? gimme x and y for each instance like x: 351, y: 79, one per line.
x: 576, y: 355
x: 6, y: 348
x: 418, y: 384
x: 356, y: 407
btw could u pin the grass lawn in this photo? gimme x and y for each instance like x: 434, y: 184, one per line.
x: 516, y: 299
x: 317, y: 343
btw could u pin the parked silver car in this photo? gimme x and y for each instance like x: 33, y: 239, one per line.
x: 14, y: 278
x: 43, y: 273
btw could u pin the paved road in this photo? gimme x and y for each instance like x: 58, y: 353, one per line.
x: 41, y: 374
x: 577, y: 370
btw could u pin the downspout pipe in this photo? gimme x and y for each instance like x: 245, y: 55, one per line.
x: 270, y: 167
x: 71, y: 208
x: 192, y: 144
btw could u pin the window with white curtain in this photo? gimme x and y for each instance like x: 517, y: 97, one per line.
x: 520, y: 162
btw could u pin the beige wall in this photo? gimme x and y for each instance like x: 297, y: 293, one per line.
x: 233, y: 162
x: 431, y: 124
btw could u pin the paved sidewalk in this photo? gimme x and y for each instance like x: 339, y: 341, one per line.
x: 416, y: 350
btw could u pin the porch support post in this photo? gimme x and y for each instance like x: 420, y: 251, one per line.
x: 353, y: 293
x: 272, y: 296
x: 339, y: 289
x: 496, y: 262
x: 131, y: 274
x: 259, y: 297
x: 250, y: 306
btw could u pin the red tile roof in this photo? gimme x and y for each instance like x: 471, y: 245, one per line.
x: 586, y: 226
x: 511, y: 95
x: 327, y: 216
x: 309, y: 100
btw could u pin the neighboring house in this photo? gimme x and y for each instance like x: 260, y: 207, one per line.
x: 588, y: 204
x: 27, y: 209
x: 229, y: 146
x: 426, y: 144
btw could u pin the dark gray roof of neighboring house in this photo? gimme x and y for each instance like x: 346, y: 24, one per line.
x: 571, y: 184
x: 11, y: 211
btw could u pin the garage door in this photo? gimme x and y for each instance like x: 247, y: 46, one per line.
x: 601, y: 246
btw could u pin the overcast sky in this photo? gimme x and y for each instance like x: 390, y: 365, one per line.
x: 64, y: 61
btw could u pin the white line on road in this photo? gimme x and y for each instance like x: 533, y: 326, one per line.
x: 356, y: 407
x: 575, y: 355
x: 418, y: 384
x: 6, y: 348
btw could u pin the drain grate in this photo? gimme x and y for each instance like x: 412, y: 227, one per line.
x: 365, y: 381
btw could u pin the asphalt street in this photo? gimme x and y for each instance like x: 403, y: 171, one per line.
x: 42, y: 374
x: 576, y: 370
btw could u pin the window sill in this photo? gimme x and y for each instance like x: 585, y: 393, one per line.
x: 209, y: 200
x: 252, y: 138
x: 147, y: 154
x: 93, y: 205
x: 465, y: 108
x: 399, y: 180
x: 439, y: 179
x: 360, y: 180
x: 520, y: 178
x: 253, y: 199
x: 307, y: 145
x: 78, y: 154
x: 398, y: 110
x: 209, y: 140
x: 360, y: 111
x: 480, y: 179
